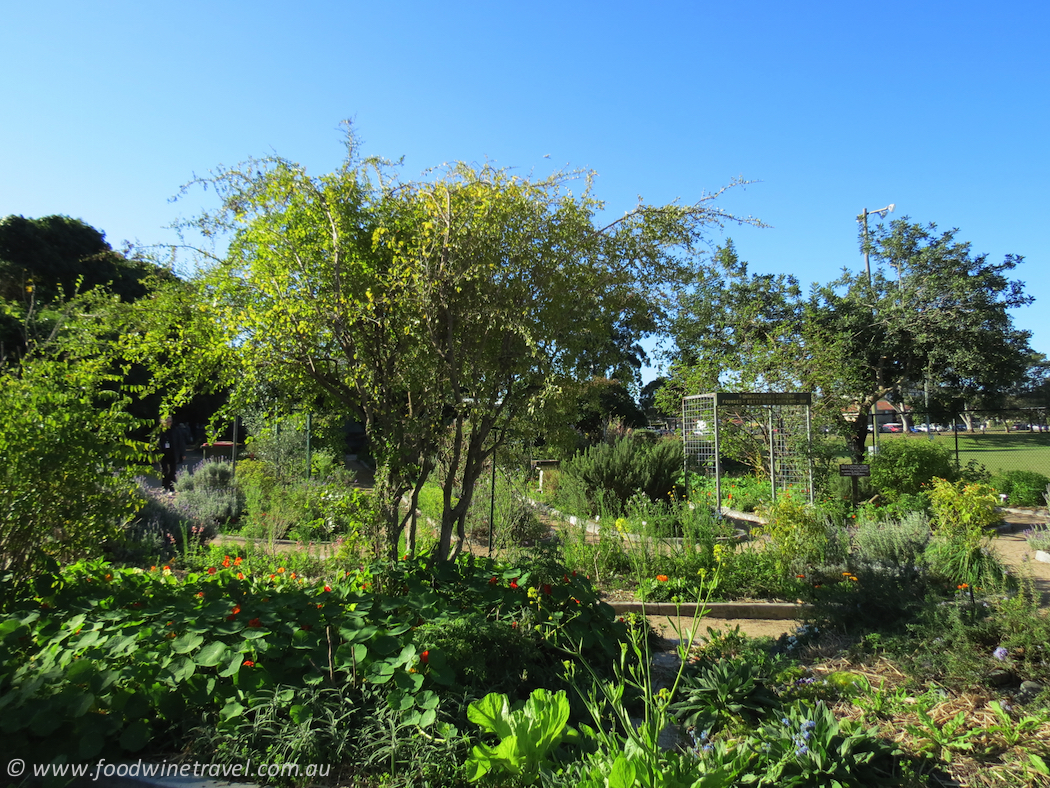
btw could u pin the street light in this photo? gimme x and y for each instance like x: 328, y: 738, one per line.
x: 864, y: 217
x: 881, y: 212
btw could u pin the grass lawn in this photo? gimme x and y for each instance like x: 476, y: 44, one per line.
x: 997, y: 451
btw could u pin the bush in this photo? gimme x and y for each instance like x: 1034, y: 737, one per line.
x: 1022, y: 488
x: 903, y: 467
x: 208, y: 494
x: 959, y: 548
x: 626, y: 467
x: 799, y: 533
x: 68, y: 468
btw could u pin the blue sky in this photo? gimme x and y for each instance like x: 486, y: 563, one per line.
x: 942, y: 108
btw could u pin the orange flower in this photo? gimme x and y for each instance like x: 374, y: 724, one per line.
x: 425, y: 657
x: 226, y: 561
x: 661, y: 578
x: 280, y: 570
x: 237, y: 561
x: 240, y: 576
x: 962, y: 586
x: 211, y: 570
x: 248, y: 663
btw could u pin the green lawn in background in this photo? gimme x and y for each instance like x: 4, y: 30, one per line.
x: 997, y: 451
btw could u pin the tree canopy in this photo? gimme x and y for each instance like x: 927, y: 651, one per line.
x: 932, y: 313
x: 459, y: 308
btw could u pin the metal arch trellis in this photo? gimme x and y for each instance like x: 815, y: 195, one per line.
x: 784, y: 420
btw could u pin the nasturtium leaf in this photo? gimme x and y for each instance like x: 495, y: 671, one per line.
x: 212, y: 654
x: 187, y: 643
x: 90, y: 744
x: 136, y: 736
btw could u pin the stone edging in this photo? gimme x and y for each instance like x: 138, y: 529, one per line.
x: 771, y: 611
x: 1042, y: 555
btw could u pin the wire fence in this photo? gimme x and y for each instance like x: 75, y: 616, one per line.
x: 1000, y: 440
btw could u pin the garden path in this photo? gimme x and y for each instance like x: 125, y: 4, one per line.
x: 1009, y: 543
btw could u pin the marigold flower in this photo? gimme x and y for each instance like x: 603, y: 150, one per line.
x: 846, y: 574
x: 237, y: 561
x: 226, y: 561
x: 800, y: 577
x: 661, y: 578
x: 240, y: 575
x: 280, y: 570
x: 963, y: 586
x: 211, y: 570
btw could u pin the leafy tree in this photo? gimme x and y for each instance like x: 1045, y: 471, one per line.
x: 453, y: 311
x: 930, y: 312
x: 66, y: 460
x: 46, y: 261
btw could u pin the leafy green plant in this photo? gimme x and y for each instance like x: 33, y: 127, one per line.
x: 941, y: 741
x: 67, y: 475
x: 529, y: 732
x: 958, y: 550
x: 797, y: 531
x: 626, y: 467
x: 808, y: 746
x: 208, y: 494
x: 1022, y: 488
x: 904, y: 467
x: 730, y: 689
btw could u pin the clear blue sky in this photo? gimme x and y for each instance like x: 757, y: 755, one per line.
x: 939, y: 107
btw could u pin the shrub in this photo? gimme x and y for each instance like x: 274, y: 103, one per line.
x: 1022, y: 488
x: 68, y: 468
x: 959, y: 548
x: 626, y: 467
x: 798, y: 531
x: 208, y: 494
x: 903, y: 467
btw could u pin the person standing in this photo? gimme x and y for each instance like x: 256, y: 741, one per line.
x: 172, y: 448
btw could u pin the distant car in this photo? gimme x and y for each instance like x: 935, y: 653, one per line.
x: 891, y: 428
x: 1020, y: 427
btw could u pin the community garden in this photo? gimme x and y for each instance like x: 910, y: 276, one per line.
x: 922, y: 660
x: 446, y: 622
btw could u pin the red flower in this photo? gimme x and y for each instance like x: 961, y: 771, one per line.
x: 513, y: 624
x: 425, y: 657
x: 547, y: 589
x: 327, y: 588
x: 566, y: 578
x: 255, y: 623
x: 514, y: 583
x: 200, y: 593
x: 211, y: 570
x: 226, y: 561
x: 248, y: 663
x: 661, y: 578
x: 237, y: 561
x: 493, y: 580
x: 240, y: 575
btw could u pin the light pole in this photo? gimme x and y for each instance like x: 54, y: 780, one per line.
x: 864, y: 217
x: 881, y: 212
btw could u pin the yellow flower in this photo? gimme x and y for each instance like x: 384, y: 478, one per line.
x: 718, y: 553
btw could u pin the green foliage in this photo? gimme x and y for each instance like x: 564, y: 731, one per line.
x: 102, y: 661
x: 905, y: 467
x: 798, y: 531
x: 67, y: 475
x: 624, y: 468
x: 725, y: 691
x: 1023, y: 488
x: 808, y: 746
x: 208, y: 494
x: 959, y: 549
x: 529, y: 732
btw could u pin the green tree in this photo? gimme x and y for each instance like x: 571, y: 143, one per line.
x: 67, y: 463
x: 931, y: 311
x: 451, y: 312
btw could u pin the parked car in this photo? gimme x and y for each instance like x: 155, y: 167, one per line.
x: 1020, y: 427
x: 891, y: 428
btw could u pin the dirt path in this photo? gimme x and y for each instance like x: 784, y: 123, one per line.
x: 1010, y: 544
